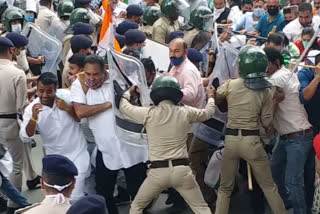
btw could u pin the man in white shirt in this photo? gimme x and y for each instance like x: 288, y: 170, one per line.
x: 92, y: 98
x: 291, y: 153
x: 46, y: 16
x: 58, y: 127
x: 294, y: 29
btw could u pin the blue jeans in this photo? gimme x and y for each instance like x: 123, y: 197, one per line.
x: 288, y: 169
x: 12, y: 193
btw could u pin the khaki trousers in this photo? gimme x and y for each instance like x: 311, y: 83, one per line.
x: 251, y: 150
x: 19, y: 151
x: 198, y: 153
x: 180, y: 178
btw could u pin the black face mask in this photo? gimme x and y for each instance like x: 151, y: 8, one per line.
x: 273, y: 11
x: 287, y: 21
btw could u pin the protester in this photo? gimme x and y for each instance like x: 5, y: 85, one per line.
x: 273, y: 21
x: 296, y: 134
x: 294, y: 29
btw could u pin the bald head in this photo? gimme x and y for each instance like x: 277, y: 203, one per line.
x: 178, y: 48
x: 273, y: 3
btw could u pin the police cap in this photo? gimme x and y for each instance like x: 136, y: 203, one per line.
x: 17, y: 39
x: 58, y: 165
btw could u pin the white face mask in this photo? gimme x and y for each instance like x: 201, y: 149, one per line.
x: 16, y: 28
x: 217, y: 13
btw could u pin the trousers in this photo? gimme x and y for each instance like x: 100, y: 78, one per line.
x: 20, y: 153
x: 251, y: 150
x: 180, y: 178
x: 106, y: 180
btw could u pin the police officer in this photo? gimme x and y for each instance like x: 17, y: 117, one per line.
x: 83, y: 28
x: 167, y: 23
x: 46, y: 16
x: 168, y: 156
x: 201, y: 19
x: 150, y: 16
x: 65, y: 9
x: 13, y: 20
x: 79, y: 44
x: 249, y: 104
x: 134, y: 42
x: 58, y: 181
x: 126, y: 25
x: 195, y: 56
x: 92, y: 204
x: 134, y: 13
x: 77, y: 15
x: 13, y: 94
x: 32, y: 10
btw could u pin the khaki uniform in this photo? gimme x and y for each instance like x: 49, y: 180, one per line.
x: 47, y: 206
x: 45, y: 17
x: 169, y: 144
x: 162, y: 28
x: 147, y: 29
x: 66, y: 46
x: 13, y: 98
x: 189, y: 36
x: 246, y: 109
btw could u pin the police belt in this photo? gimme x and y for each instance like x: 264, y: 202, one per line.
x: 129, y: 126
x: 166, y: 163
x: 8, y: 116
x: 236, y: 132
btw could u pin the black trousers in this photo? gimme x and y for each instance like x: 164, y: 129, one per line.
x: 106, y: 180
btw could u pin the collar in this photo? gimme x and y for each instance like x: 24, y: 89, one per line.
x: 276, y: 18
x: 165, y: 102
x: 6, y: 62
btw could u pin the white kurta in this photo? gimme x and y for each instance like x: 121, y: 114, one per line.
x: 62, y: 135
x: 116, y: 154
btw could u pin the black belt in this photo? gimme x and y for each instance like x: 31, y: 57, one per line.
x: 129, y: 126
x: 165, y: 163
x: 235, y: 132
x: 8, y: 116
x: 296, y: 135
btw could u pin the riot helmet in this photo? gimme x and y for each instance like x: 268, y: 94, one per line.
x: 151, y: 15
x: 252, y: 64
x: 78, y: 15
x: 13, y: 19
x: 65, y: 9
x: 172, y: 8
x: 166, y: 88
x: 201, y: 18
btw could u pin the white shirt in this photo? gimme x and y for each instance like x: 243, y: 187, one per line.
x: 290, y: 115
x: 60, y: 134
x: 116, y: 154
x: 294, y: 29
x: 235, y: 14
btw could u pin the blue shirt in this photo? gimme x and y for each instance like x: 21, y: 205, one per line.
x: 246, y: 22
x: 312, y: 106
x: 264, y: 26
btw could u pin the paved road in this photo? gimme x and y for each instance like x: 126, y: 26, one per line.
x: 239, y: 203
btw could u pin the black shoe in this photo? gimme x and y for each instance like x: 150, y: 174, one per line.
x: 122, y: 199
x: 32, y: 184
x: 11, y: 210
x: 3, y: 204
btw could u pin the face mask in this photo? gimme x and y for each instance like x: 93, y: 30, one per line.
x: 176, y: 61
x: 16, y: 28
x: 258, y: 12
x: 273, y: 11
x: 304, y: 44
x: 287, y: 21
x: 219, y: 10
x: 94, y: 84
x: 29, y: 17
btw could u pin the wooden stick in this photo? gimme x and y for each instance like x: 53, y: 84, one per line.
x: 305, y: 66
x: 249, y: 177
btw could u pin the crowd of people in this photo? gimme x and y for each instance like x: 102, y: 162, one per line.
x: 243, y: 80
